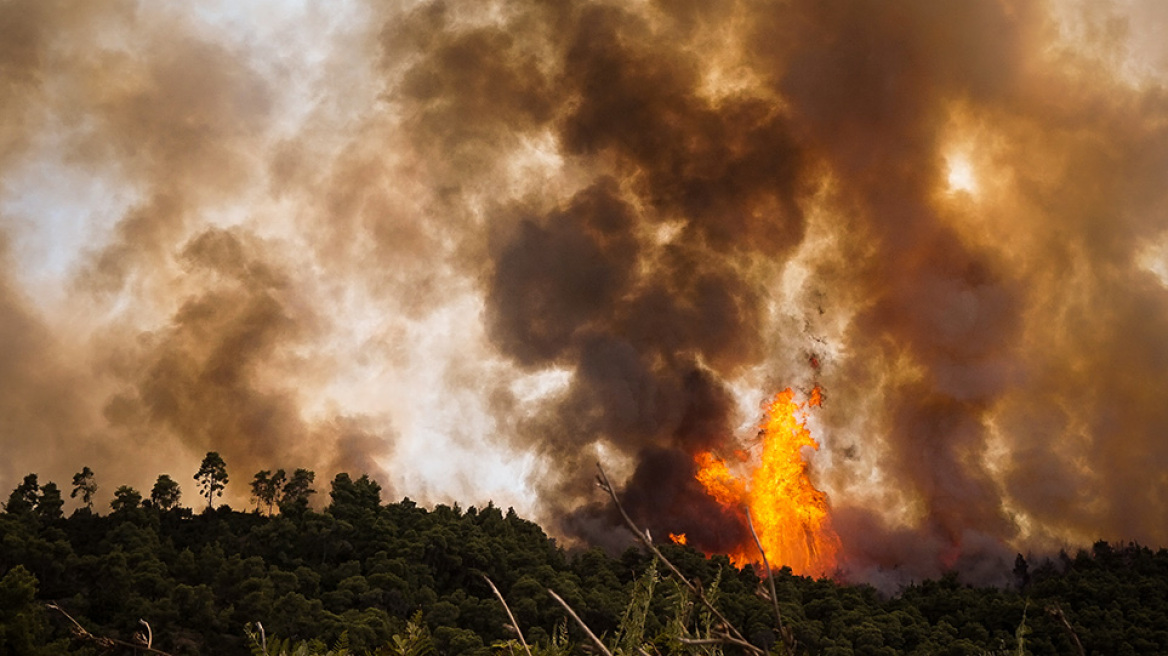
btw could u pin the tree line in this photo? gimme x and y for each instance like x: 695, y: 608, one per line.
x: 360, y: 576
x: 269, y: 490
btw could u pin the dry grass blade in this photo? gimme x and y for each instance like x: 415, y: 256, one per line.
x: 263, y: 638
x: 514, y: 624
x: 604, y: 650
x: 732, y: 634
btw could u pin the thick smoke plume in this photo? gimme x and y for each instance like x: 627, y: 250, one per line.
x: 460, y: 244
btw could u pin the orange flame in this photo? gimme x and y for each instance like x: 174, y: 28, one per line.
x: 790, y: 515
x: 816, y: 399
x: 719, y: 483
x: 678, y: 538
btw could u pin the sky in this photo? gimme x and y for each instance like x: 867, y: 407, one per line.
x: 473, y: 248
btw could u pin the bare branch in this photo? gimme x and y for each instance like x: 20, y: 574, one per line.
x: 788, y: 639
x: 102, y: 641
x: 514, y: 624
x: 604, y: 650
x: 766, y: 565
x: 643, y: 537
x: 1056, y: 612
x: 733, y: 635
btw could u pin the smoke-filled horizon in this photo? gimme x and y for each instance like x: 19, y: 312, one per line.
x: 472, y: 248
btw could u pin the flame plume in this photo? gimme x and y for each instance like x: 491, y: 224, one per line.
x: 718, y: 482
x: 791, y: 516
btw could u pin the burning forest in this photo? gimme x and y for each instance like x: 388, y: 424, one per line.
x: 892, y: 278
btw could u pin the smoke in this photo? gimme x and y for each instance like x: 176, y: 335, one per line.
x: 472, y: 248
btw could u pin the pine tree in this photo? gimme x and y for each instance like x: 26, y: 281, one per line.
x: 126, y: 498
x: 83, y: 484
x: 297, y: 490
x: 24, y: 498
x: 266, y: 488
x: 49, y: 503
x: 212, y: 477
x: 166, y: 493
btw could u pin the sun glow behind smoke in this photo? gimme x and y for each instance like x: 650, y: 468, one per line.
x: 961, y: 177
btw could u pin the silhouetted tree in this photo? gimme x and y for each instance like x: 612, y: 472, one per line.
x: 266, y: 488
x: 166, y: 493
x: 297, y: 490
x: 1021, y: 572
x: 83, y: 484
x: 24, y: 498
x: 351, y: 496
x: 49, y: 504
x: 212, y: 477
x: 126, y: 498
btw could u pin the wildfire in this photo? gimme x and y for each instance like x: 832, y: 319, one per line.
x: 719, y: 483
x: 678, y: 538
x: 789, y: 514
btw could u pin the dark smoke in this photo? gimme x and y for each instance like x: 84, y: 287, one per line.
x: 850, y: 112
x: 329, y: 251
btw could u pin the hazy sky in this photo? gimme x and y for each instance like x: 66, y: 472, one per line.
x: 471, y: 248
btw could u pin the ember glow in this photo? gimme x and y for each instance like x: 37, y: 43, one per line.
x: 789, y: 514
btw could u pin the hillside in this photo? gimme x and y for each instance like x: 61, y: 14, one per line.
x: 354, y: 574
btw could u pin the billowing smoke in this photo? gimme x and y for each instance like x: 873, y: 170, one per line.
x: 459, y: 245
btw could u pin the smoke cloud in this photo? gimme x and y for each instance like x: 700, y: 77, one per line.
x: 473, y: 248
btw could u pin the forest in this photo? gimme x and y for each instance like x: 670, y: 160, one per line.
x: 359, y: 576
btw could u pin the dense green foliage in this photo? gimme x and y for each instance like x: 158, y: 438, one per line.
x: 350, y: 578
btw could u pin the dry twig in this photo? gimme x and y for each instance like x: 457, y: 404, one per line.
x: 1056, y: 612
x: 104, y: 642
x: 730, y: 634
x: 514, y: 624
x: 604, y: 650
x: 788, y: 639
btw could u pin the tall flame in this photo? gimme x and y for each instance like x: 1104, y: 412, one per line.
x: 790, y: 516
